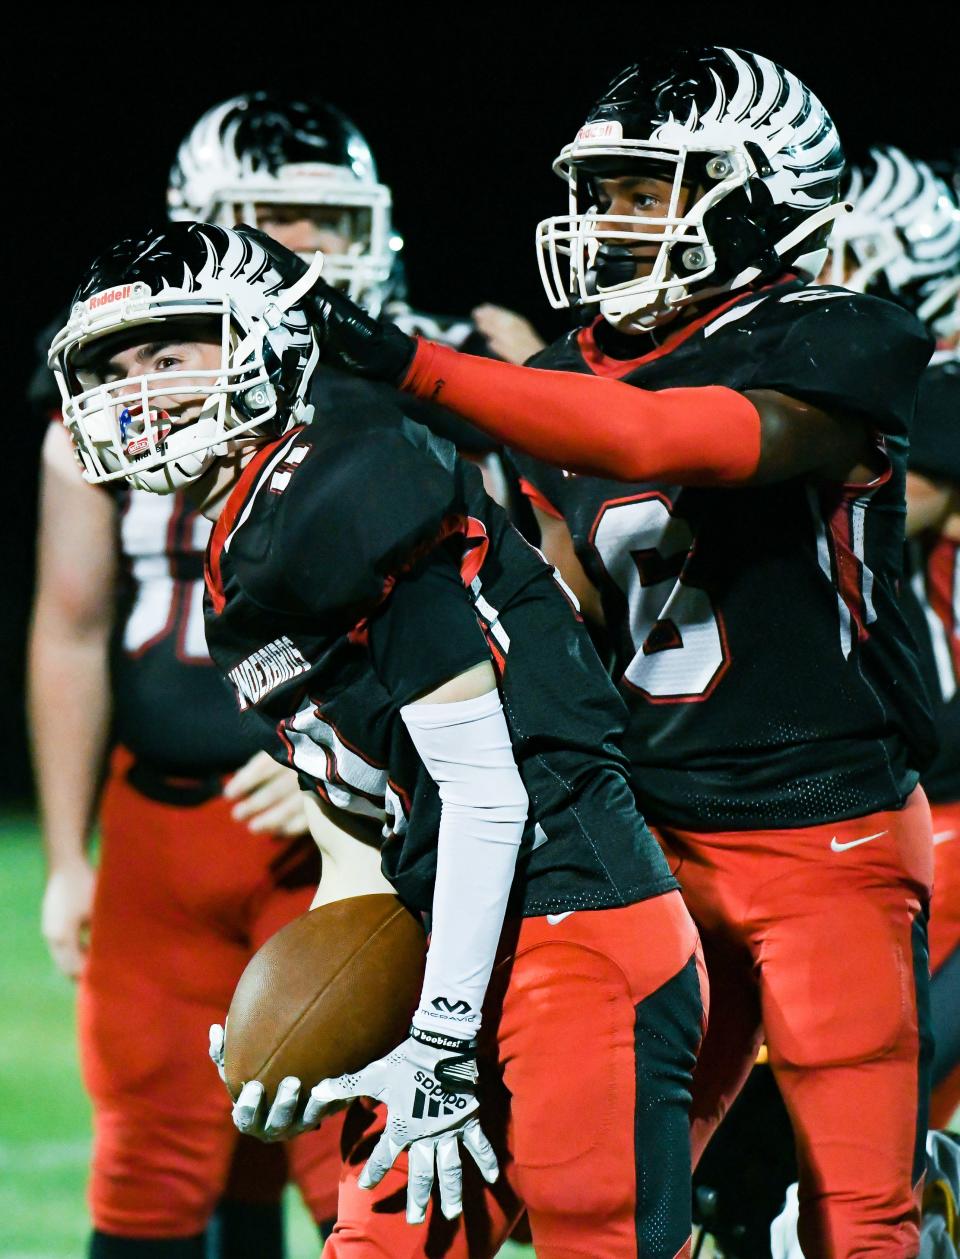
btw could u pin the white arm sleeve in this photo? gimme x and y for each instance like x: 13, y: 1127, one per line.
x: 467, y: 750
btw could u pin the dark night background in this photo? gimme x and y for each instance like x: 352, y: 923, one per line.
x: 464, y: 108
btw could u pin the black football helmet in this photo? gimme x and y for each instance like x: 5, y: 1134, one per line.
x: 187, y: 281
x: 261, y: 149
x: 756, y: 151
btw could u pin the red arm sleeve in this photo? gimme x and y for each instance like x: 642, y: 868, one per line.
x: 700, y: 436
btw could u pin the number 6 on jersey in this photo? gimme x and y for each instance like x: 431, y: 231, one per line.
x: 679, y: 643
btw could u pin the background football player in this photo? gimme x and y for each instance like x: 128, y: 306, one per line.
x: 297, y: 168
x: 305, y: 173
x: 747, y: 576
x: 902, y: 241
x: 370, y: 604
x: 300, y: 171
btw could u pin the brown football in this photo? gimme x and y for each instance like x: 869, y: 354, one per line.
x: 330, y: 992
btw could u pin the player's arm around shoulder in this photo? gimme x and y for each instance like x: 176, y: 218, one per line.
x: 69, y: 685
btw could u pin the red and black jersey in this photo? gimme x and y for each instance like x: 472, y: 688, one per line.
x: 758, y: 638
x: 931, y: 597
x: 357, y: 565
x: 171, y: 706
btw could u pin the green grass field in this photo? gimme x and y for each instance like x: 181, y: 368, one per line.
x: 44, y: 1113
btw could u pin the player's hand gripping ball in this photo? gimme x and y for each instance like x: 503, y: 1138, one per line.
x: 331, y: 992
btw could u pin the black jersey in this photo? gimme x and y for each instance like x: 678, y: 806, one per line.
x: 931, y: 598
x: 171, y: 706
x: 328, y: 532
x: 759, y: 643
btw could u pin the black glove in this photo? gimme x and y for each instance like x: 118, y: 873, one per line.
x: 354, y: 341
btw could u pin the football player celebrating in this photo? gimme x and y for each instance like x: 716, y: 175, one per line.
x: 902, y: 241
x: 391, y: 637
x: 746, y: 573
x: 184, y: 892
x: 304, y: 171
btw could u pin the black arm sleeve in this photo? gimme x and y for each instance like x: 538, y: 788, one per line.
x: 425, y: 632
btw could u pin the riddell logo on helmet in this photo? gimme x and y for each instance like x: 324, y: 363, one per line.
x: 108, y: 296
x: 593, y: 132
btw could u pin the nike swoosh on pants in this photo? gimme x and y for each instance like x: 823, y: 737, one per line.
x: 835, y: 846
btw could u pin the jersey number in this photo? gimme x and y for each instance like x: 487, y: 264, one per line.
x: 677, y: 637
x: 164, y: 604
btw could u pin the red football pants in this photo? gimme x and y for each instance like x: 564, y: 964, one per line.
x: 184, y: 897
x: 591, y: 1030
x: 816, y: 936
x: 945, y: 933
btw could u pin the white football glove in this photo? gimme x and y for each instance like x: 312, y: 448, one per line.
x: 429, y: 1086
x: 218, y: 1036
x: 279, y: 1122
